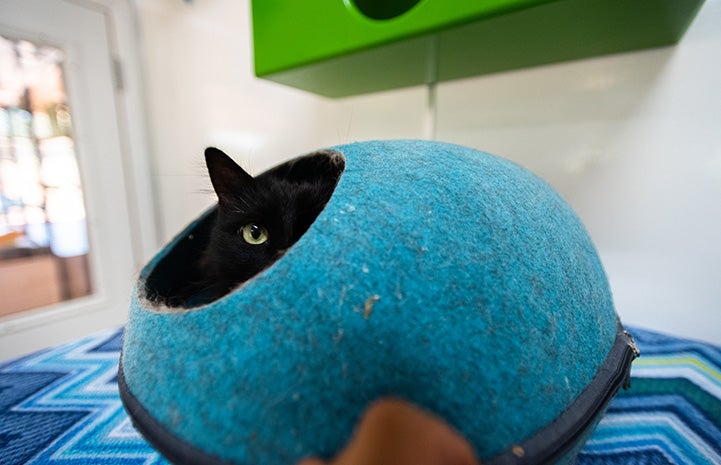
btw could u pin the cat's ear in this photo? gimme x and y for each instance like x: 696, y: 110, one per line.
x: 228, y: 178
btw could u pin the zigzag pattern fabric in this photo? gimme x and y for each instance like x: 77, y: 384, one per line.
x: 671, y: 414
x: 61, y: 406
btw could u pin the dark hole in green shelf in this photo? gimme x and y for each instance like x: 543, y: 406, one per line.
x: 384, y: 9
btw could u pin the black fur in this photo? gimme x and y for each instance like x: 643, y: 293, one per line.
x: 283, y: 201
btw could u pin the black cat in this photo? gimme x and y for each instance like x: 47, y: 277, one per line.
x: 257, y: 220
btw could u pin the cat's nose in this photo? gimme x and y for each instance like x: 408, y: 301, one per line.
x: 280, y: 253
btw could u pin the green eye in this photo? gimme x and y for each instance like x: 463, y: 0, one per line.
x: 254, y: 234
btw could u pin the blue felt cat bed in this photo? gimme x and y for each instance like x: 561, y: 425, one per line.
x: 436, y: 273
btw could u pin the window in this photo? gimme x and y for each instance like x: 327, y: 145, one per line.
x: 43, y: 234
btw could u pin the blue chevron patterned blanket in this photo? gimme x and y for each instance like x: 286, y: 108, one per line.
x: 61, y: 406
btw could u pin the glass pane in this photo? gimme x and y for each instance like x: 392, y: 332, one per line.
x: 43, y: 233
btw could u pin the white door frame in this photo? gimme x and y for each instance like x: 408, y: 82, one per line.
x: 126, y: 157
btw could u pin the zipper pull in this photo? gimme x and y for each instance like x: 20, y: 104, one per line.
x: 632, y: 344
x: 632, y: 355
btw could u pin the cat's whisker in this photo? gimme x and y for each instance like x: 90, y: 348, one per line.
x: 241, y: 205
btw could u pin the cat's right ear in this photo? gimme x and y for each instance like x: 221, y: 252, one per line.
x: 227, y: 177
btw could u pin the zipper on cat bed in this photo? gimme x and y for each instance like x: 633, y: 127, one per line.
x: 558, y: 438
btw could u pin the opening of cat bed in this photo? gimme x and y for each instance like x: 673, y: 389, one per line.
x: 254, y: 223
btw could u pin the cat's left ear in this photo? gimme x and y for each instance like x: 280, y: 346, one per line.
x: 228, y: 178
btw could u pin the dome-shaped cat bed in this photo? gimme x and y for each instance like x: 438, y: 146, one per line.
x: 445, y: 276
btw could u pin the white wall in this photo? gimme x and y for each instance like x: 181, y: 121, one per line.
x: 632, y: 141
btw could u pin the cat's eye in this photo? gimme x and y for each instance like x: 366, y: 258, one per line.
x: 254, y: 234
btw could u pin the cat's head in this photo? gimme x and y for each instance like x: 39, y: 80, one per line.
x: 259, y: 218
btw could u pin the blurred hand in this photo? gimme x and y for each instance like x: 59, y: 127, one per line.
x: 394, y: 432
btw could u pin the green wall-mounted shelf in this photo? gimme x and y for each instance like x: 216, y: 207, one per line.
x: 338, y: 48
